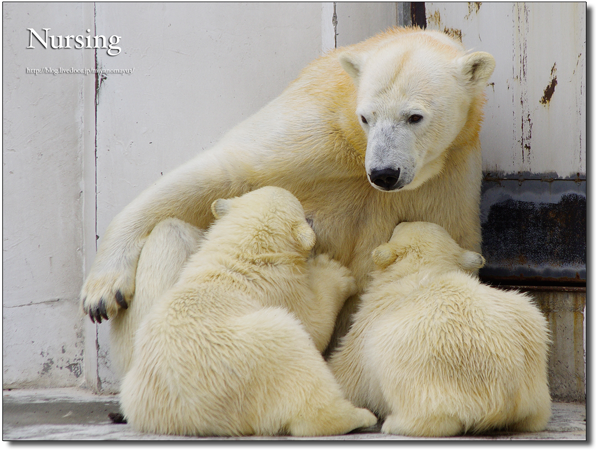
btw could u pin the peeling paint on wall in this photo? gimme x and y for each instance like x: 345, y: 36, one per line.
x: 473, y: 8
x: 454, y: 33
x: 334, y: 22
x: 522, y: 116
x: 435, y: 21
x: 549, y: 91
x: 47, y: 366
x: 75, y: 369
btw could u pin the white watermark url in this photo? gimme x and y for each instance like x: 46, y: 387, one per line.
x: 72, y: 70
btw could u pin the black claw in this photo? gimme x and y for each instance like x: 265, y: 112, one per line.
x: 121, y: 300
x: 97, y: 315
x: 102, y: 309
x: 91, y: 316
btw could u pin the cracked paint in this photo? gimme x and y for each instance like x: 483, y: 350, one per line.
x: 473, y: 8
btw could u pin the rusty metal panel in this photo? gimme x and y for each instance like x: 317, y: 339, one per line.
x: 534, y: 228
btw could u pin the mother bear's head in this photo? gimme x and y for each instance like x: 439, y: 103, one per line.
x: 415, y: 93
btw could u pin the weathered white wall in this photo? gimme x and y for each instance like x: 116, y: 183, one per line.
x: 525, y: 129
x: 193, y: 80
x: 70, y: 165
x: 43, y: 144
x: 357, y: 21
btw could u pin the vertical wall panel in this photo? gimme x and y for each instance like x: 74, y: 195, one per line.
x: 535, y: 117
x: 358, y: 21
x: 198, y: 70
x: 42, y: 256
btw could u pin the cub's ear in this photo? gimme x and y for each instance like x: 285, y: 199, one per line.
x: 384, y: 256
x: 352, y: 63
x: 471, y: 261
x: 219, y: 208
x: 305, y: 236
x: 477, y: 68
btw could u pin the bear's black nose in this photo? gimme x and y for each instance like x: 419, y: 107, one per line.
x: 385, y: 178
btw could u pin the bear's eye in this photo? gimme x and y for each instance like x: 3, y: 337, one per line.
x: 364, y: 120
x: 414, y: 119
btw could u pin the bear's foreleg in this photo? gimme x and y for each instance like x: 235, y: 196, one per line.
x: 186, y: 193
x: 163, y: 256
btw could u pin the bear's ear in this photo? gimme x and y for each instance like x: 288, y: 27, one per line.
x: 384, y: 256
x: 352, y: 64
x: 471, y: 261
x: 477, y: 68
x: 219, y: 208
x: 305, y: 236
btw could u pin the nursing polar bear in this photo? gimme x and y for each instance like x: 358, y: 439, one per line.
x: 437, y: 353
x: 233, y: 348
x: 367, y: 136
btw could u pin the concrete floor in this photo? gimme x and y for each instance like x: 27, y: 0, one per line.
x: 74, y: 414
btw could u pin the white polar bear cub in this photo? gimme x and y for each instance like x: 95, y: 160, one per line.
x: 437, y: 353
x: 233, y: 348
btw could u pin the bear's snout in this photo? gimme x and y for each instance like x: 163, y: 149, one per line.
x: 386, y: 179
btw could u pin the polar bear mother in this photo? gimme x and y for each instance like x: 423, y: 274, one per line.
x: 367, y: 136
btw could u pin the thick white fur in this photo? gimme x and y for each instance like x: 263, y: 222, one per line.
x: 233, y: 348
x: 162, y: 259
x: 310, y: 141
x: 435, y: 352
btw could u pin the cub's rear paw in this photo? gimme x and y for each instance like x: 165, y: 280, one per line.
x: 102, y: 298
x: 364, y: 418
x: 117, y: 418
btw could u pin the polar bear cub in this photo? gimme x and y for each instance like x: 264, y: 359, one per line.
x: 435, y: 352
x: 233, y: 348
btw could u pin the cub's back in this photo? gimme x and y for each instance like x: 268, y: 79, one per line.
x: 453, y: 321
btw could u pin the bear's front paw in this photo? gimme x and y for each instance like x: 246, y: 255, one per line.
x: 103, y: 295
